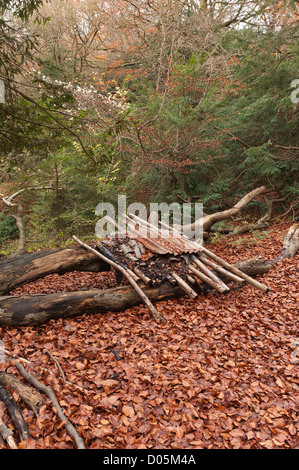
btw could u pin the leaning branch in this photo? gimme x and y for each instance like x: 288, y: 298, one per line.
x: 22, y: 269
x: 129, y: 276
x: 47, y: 390
x: 207, y: 221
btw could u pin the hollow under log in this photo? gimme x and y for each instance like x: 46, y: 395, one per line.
x: 21, y: 269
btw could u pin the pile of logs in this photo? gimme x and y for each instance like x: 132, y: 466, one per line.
x: 152, y: 278
x: 151, y: 256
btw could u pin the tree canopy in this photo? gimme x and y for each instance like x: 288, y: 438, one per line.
x: 163, y: 100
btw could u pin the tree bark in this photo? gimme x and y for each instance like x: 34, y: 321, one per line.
x: 28, y: 267
x: 15, y: 414
x: 291, y: 243
x: 27, y: 310
x: 207, y: 221
x: 27, y: 394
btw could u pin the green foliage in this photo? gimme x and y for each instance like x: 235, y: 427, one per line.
x: 8, y: 228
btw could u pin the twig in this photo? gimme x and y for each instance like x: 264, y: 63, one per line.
x: 65, y: 381
x: 15, y: 414
x: 127, y: 274
x: 27, y: 394
x: 51, y: 395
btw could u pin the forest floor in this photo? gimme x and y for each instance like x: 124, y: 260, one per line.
x: 221, y: 371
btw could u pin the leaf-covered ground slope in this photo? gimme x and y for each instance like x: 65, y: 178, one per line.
x: 220, y: 372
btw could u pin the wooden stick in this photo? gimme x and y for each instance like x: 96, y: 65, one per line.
x: 188, y: 243
x: 51, y: 395
x: 127, y: 274
x: 207, y: 280
x: 142, y: 276
x: 209, y: 273
x: 185, y: 286
x: 136, y: 248
x: 106, y: 252
x: 234, y: 270
x: 142, y: 233
x: 6, y: 434
x: 221, y: 270
x: 15, y: 414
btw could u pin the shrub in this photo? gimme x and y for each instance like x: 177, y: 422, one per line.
x: 8, y: 227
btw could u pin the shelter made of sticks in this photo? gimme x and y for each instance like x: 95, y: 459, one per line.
x: 147, y: 255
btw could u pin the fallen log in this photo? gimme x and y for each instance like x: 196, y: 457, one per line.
x: 24, y: 310
x: 129, y: 276
x: 27, y: 394
x: 207, y: 280
x: 207, y: 221
x: 19, y: 270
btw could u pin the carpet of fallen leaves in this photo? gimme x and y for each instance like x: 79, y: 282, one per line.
x: 221, y: 371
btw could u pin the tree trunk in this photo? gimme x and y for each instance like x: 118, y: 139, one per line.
x: 291, y: 243
x: 37, y: 309
x: 207, y: 221
x: 28, y: 267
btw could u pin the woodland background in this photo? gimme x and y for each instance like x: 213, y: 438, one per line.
x: 164, y: 101
x: 161, y: 100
